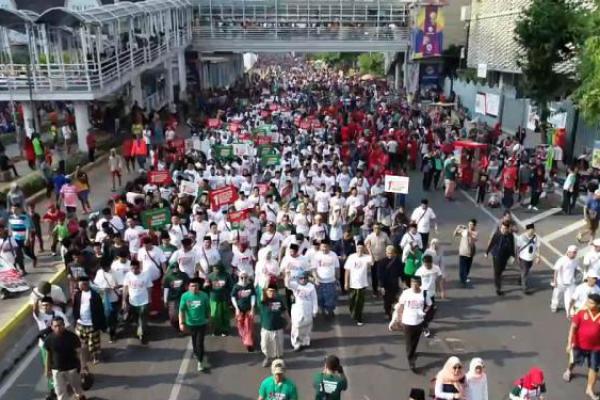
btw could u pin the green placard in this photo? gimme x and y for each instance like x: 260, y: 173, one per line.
x: 269, y: 160
x: 223, y: 152
x: 156, y: 218
x: 265, y: 150
x: 263, y: 129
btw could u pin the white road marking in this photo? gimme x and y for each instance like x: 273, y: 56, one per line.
x: 496, y: 220
x: 24, y: 363
x: 542, y: 215
x: 566, y: 230
x: 185, y: 363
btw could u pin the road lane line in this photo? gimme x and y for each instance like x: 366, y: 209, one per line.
x: 496, y: 220
x: 542, y: 215
x: 185, y: 363
x: 566, y: 230
x: 24, y: 363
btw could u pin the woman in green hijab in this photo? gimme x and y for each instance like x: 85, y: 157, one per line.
x: 220, y: 288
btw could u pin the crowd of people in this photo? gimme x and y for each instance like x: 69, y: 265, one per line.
x: 274, y: 208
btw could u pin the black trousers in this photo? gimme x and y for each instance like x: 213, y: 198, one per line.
x: 427, y: 178
x: 464, y: 268
x: 374, y: 278
x: 197, y: 334
x: 566, y: 203
x: 425, y: 240
x: 430, y: 313
x: 389, y: 299
x: 535, y: 198
x: 525, y: 267
x: 499, y: 264
x: 412, y: 334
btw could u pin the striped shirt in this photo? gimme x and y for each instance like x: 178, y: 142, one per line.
x: 19, y: 225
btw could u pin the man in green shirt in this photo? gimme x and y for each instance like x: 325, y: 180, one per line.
x: 174, y: 284
x: 277, y: 386
x: 194, y: 314
x: 331, y: 382
x: 273, y: 320
x: 220, y: 289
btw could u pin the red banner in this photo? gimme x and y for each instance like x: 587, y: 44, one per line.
x: 260, y: 140
x: 223, y: 196
x: 273, y: 107
x: 263, y: 188
x: 214, y: 123
x: 179, y: 146
x: 305, y: 125
x: 159, y: 177
x: 238, y: 216
x: 234, y: 127
x: 265, y: 114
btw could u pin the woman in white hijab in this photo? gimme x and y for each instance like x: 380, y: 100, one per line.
x: 477, y: 387
x: 265, y: 268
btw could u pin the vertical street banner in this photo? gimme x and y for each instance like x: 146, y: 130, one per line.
x: 428, y: 32
x: 156, y: 218
x: 223, y: 196
x: 596, y: 155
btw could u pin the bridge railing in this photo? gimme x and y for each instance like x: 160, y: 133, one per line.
x: 282, y: 33
x: 80, y: 77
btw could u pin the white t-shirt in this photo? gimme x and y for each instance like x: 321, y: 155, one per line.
x: 132, y: 236
x: 429, y: 278
x: 244, y: 262
x: 566, y: 268
x: 414, y: 305
x: 137, y: 286
x: 187, y: 260
x: 119, y: 270
x: 358, y: 268
x: 423, y: 218
x: 325, y: 265
x: 527, y: 247
x: 322, y: 200
x: 85, y: 309
x: 152, y: 261
x: 580, y: 295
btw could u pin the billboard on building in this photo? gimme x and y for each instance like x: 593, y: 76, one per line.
x: 428, y: 32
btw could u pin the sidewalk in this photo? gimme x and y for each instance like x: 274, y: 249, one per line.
x: 16, y: 332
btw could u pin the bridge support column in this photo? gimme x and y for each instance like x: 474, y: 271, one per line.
x: 169, y: 81
x: 182, y: 74
x: 405, y: 69
x: 82, y: 123
x: 137, y: 95
x: 397, y: 75
x: 28, y: 117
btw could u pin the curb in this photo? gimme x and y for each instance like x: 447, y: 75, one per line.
x: 26, y: 309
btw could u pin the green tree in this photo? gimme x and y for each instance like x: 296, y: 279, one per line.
x: 549, y: 33
x: 371, y: 63
x: 587, y: 95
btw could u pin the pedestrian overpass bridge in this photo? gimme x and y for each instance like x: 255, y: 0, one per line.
x: 89, y: 53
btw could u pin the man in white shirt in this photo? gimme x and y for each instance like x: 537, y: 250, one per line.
x: 592, y: 257
x: 200, y: 225
x: 272, y: 238
x: 137, y: 288
x: 271, y: 209
x: 209, y: 256
x: 411, y: 235
x: 177, y: 231
x: 424, y: 218
x: 133, y: 235
x: 529, y: 253
x: 356, y: 280
x: 322, y: 198
x: 318, y: 231
x: 582, y: 291
x: 243, y: 259
x: 326, y: 267
x: 431, y: 282
x: 412, y: 306
x: 563, y: 281
x: 187, y: 258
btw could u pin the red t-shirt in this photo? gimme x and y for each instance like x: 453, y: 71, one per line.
x: 587, y: 336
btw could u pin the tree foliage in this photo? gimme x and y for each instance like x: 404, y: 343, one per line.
x: 371, y: 63
x: 587, y: 95
x: 549, y: 33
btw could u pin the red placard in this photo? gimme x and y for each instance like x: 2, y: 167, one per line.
x: 234, y: 127
x: 223, y: 196
x: 214, y: 123
x: 261, y: 139
x: 263, y: 188
x: 273, y: 107
x: 265, y: 113
x: 237, y: 216
x: 305, y: 125
x: 159, y: 177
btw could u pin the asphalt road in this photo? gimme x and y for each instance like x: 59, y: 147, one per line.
x: 511, y: 333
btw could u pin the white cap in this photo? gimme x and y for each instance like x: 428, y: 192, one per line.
x: 596, y: 242
x: 571, y: 248
x: 591, y: 274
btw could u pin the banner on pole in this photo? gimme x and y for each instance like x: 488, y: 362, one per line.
x: 396, y: 184
x: 159, y: 177
x: 223, y: 196
x: 156, y: 218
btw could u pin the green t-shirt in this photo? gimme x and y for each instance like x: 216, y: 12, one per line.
x: 330, y: 384
x: 176, y: 281
x: 271, y: 390
x: 168, y: 250
x: 38, y: 148
x: 450, y: 170
x: 61, y: 232
x: 243, y: 296
x: 195, y: 307
x: 220, y: 286
x: 271, y: 314
x: 413, y: 262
